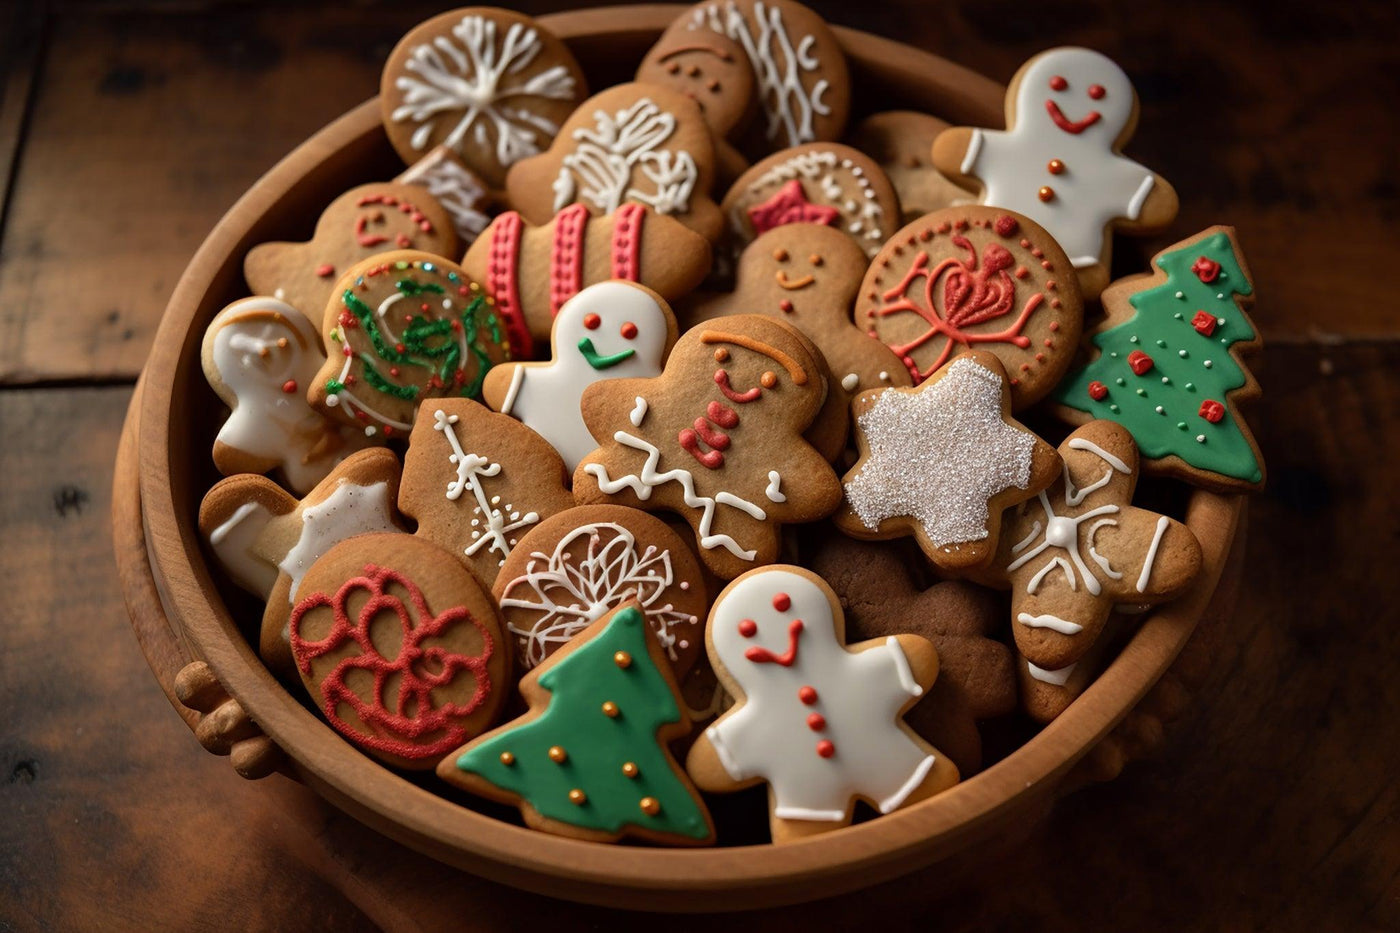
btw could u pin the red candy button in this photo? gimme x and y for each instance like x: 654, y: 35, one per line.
x: 1140, y: 362
x: 1207, y: 270
x: 826, y: 748
x: 1098, y: 391
x: 1204, y: 323
x: 1212, y: 411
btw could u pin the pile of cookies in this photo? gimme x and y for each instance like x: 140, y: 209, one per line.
x: 636, y: 446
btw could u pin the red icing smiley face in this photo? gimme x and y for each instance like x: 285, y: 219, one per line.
x: 1060, y: 85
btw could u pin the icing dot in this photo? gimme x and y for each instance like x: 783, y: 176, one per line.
x: 630, y: 769
x: 591, y: 321
x: 816, y: 722
x: 1055, y: 167
x: 1096, y: 91
x: 629, y: 330
x: 1207, y: 364
x: 748, y: 628
x: 1046, y: 193
x: 721, y: 355
x: 610, y: 709
x: 557, y: 754
x: 622, y: 659
x: 289, y: 386
x: 507, y: 759
x: 1058, y: 83
x: 768, y: 380
x: 782, y: 602
x: 577, y: 797
x: 826, y: 748
x: 650, y: 806
x: 1005, y: 225
x: 1200, y: 438
x: 808, y: 695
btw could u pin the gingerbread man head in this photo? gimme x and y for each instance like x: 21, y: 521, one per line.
x: 1075, y: 98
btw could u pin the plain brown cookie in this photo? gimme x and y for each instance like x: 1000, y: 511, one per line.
x: 901, y: 141
x: 476, y: 482
x: 709, y: 68
x: 362, y: 222
x: 491, y: 85
x: 975, y: 276
x: 400, y: 648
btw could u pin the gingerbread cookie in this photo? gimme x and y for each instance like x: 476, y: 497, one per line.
x: 941, y: 461
x: 477, y: 481
x: 976, y: 276
x: 573, y: 568
x: 590, y: 758
x: 901, y: 142
x: 400, y: 647
x: 817, y: 720
x: 717, y: 439
x: 976, y: 673
x: 708, y: 67
x: 808, y: 275
x: 1069, y: 111
x: 1080, y: 548
x: 266, y: 540
x: 404, y: 327
x: 803, y: 82
x: 259, y: 355
x: 491, y: 85
x: 1167, y: 364
x: 611, y: 330
x: 633, y: 143
x: 820, y: 183
x: 456, y: 188
x: 362, y: 222
x: 531, y: 271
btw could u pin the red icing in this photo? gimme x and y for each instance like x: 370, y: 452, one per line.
x: 1058, y: 83
x: 1212, y: 411
x: 592, y: 321
x: 816, y: 722
x: 325, y: 270
x: 760, y: 655
x: 748, y: 628
x: 566, y: 256
x: 627, y: 242
x: 1139, y: 362
x: 749, y: 395
x: 629, y: 330
x: 1206, y: 269
x: 1064, y: 123
x: 1005, y: 225
x: 808, y: 695
x: 782, y: 602
x: 1097, y: 391
x: 722, y: 414
x: 690, y: 443
x: 419, y: 670
x: 826, y: 748
x: 716, y: 439
x: 289, y: 386
x: 1096, y: 91
x: 503, y: 279
x: 789, y: 205
x: 1204, y: 323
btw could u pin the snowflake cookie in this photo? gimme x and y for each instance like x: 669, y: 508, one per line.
x: 817, y: 720
x: 491, y: 85
x: 941, y: 461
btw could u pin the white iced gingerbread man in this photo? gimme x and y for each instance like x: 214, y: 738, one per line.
x: 817, y: 720
x: 1069, y: 112
x: 610, y: 330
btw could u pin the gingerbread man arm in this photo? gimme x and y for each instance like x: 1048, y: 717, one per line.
x: 1158, y: 211
x: 711, y: 763
x: 913, y: 656
x: 950, y: 150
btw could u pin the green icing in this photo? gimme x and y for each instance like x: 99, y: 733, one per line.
x: 598, y: 745
x: 1188, y: 366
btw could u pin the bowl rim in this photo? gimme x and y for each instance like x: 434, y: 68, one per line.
x: 636, y: 876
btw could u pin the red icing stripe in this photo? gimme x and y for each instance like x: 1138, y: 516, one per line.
x: 566, y: 256
x: 502, y: 282
x: 627, y: 242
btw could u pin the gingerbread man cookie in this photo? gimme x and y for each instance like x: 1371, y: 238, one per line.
x: 941, y: 461
x: 633, y: 143
x: 404, y: 327
x: 259, y: 355
x: 717, y: 438
x: 361, y: 223
x: 531, y: 271
x: 577, y: 566
x: 491, y: 85
x: 477, y: 481
x: 1069, y: 111
x: 820, y: 183
x: 611, y: 330
x: 266, y: 540
x: 901, y: 142
x: 975, y: 276
x: 817, y: 720
x: 590, y: 759
x: 400, y: 647
x: 1080, y: 548
x: 708, y: 67
x: 454, y: 186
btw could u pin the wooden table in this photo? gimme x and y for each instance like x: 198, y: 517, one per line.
x: 125, y: 130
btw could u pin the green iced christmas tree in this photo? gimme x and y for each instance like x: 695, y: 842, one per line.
x: 1166, y: 367
x: 596, y: 758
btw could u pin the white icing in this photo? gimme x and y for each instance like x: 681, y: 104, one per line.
x: 602, y: 168
x: 859, y: 694
x: 565, y: 597
x: 1151, y: 558
x: 1056, y: 677
x: 233, y: 541
x: 453, y: 186
x: 492, y: 524
x: 1054, y: 623
x: 639, y: 411
x: 546, y: 398
x: 864, y: 219
x: 476, y: 79
x: 508, y: 404
x: 1081, y: 443
x: 774, y: 492
x: 939, y: 453
x: 348, y: 511
x: 1097, y: 185
x: 850, y: 381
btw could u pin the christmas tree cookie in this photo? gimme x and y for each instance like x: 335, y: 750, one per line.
x: 1166, y: 364
x: 589, y: 759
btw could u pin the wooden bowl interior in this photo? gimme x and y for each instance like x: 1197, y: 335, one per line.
x: 177, y: 424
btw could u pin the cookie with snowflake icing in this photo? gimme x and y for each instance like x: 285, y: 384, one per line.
x: 631, y: 144
x: 404, y: 328
x: 492, y: 85
x: 266, y: 539
x: 973, y: 277
x: 572, y: 569
x: 1069, y: 112
x: 362, y: 222
x: 941, y: 461
x: 1080, y: 548
x: 477, y: 481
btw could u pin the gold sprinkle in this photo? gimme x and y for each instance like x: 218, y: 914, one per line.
x: 578, y: 797
x: 622, y: 659
x: 630, y: 769
x: 507, y: 759
x: 610, y: 709
x: 1046, y: 193
x: 651, y: 806
x: 557, y: 754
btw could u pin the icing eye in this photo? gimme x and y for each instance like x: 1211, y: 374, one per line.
x: 748, y: 628
x: 782, y: 602
x: 768, y: 379
x: 815, y: 259
x: 780, y: 254
x: 1096, y: 91
x: 1058, y: 83
x: 591, y: 321
x: 629, y: 330
x: 721, y: 355
x: 673, y: 69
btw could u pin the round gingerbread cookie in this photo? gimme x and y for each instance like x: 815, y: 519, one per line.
x: 974, y: 277
x: 400, y: 648
x: 402, y: 327
x: 492, y: 85
x: 574, y: 567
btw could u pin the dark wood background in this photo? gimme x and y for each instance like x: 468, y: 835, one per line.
x: 126, y: 129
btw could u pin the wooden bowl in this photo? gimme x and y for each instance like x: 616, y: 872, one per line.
x: 181, y: 614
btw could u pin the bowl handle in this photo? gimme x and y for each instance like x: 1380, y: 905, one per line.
x: 223, y: 727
